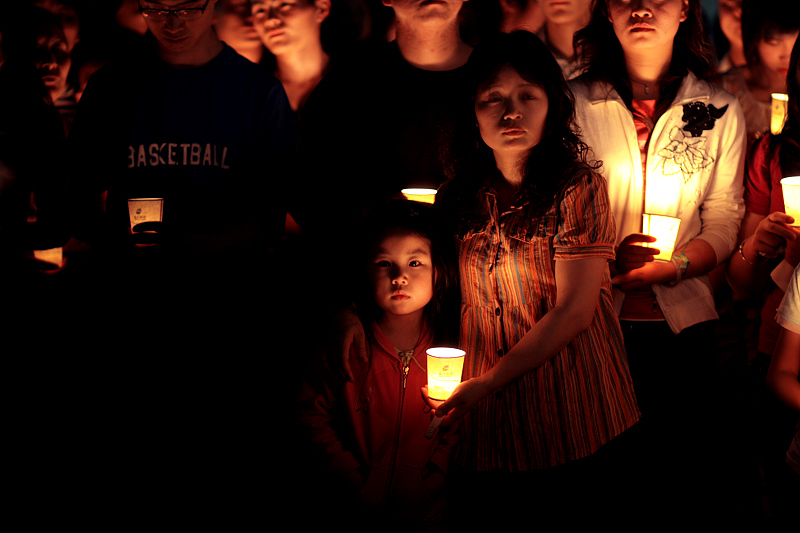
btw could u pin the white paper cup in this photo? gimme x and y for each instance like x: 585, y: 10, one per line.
x: 427, y: 196
x: 141, y: 210
x: 444, y: 371
x: 791, y: 198
x: 665, y: 230
x: 780, y: 104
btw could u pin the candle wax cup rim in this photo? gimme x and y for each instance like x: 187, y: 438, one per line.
x: 445, y: 353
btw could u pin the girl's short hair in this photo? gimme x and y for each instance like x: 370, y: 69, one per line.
x: 763, y: 19
x: 406, y: 217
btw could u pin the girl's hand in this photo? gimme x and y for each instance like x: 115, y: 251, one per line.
x: 463, y: 399
x: 630, y: 255
x: 771, y: 235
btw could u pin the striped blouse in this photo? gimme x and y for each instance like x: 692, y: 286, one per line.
x: 580, y: 398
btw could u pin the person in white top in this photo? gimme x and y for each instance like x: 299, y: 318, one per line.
x: 671, y: 144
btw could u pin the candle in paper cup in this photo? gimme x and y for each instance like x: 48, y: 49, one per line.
x: 444, y: 371
x: 780, y: 103
x: 142, y: 210
x: 426, y: 196
x: 791, y: 198
x: 665, y: 230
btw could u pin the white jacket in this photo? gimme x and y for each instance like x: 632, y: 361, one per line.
x: 695, y: 169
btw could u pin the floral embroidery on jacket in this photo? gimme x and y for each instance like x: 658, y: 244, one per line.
x: 684, y: 154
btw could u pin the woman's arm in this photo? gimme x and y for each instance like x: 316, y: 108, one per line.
x: 700, y: 254
x: 784, y: 368
x: 763, y: 237
x: 578, y: 283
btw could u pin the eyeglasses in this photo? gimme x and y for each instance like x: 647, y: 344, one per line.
x: 188, y: 13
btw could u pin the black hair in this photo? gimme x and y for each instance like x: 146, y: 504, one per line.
x: 763, y: 19
x: 550, y: 167
x: 790, y: 135
x: 605, y: 59
x: 406, y: 217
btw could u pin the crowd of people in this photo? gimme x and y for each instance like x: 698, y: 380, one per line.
x: 204, y: 198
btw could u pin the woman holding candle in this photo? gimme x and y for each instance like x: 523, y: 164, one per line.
x: 769, y: 251
x: 546, y: 380
x: 671, y: 144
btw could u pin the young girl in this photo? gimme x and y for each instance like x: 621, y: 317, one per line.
x: 769, y: 30
x: 369, y: 434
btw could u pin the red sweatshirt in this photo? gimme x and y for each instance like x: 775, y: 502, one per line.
x: 372, y: 431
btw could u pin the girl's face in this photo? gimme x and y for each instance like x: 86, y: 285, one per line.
x: 53, y: 60
x: 511, y: 112
x: 641, y: 25
x: 289, y: 25
x: 775, y: 51
x: 401, y: 270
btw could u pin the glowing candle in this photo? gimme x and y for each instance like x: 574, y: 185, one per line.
x: 791, y: 198
x: 665, y: 230
x: 426, y: 196
x: 143, y: 210
x: 50, y: 260
x: 780, y: 102
x: 444, y: 371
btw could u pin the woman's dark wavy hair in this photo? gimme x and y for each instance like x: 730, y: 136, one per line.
x: 551, y: 166
x: 405, y: 217
x: 605, y: 60
x: 790, y: 135
x: 762, y: 19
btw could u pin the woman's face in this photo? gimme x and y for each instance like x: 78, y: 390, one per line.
x: 642, y: 25
x: 775, y: 51
x: 289, y: 25
x: 511, y: 113
x: 53, y: 60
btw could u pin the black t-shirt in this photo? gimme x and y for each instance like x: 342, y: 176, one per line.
x: 373, y: 127
x: 214, y: 141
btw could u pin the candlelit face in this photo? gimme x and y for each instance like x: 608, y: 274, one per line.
x: 289, y: 25
x: 774, y: 52
x: 642, y: 25
x: 401, y: 269
x: 567, y: 11
x: 53, y: 60
x: 178, y: 36
x: 511, y: 113
x: 234, y: 24
x: 421, y: 11
x: 66, y: 13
